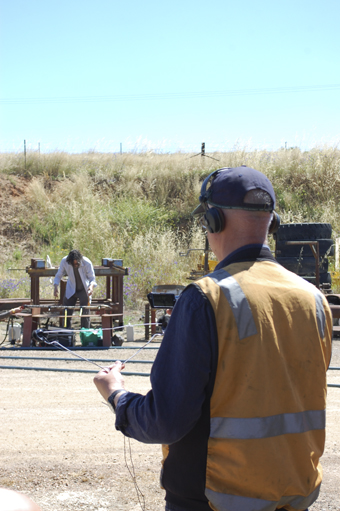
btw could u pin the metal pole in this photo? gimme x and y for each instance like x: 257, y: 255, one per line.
x: 25, y: 152
x: 206, y: 256
x: 121, y: 148
x: 147, y: 318
x: 39, y: 147
x: 337, y: 242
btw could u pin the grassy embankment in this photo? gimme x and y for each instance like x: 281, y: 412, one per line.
x: 136, y: 207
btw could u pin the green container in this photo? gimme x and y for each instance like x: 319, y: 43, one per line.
x: 91, y: 337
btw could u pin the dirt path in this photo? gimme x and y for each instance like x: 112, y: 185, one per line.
x: 60, y: 447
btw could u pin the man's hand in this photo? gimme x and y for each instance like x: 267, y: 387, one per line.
x: 17, y: 309
x: 90, y: 290
x: 109, y: 379
x: 55, y: 291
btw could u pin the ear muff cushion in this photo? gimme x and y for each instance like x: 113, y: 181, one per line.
x: 214, y: 220
x: 274, y: 224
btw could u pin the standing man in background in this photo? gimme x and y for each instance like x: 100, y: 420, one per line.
x: 80, y: 283
x: 239, y: 384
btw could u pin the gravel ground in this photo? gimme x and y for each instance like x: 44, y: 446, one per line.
x: 60, y: 447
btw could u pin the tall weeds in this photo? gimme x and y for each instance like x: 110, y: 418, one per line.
x: 137, y: 206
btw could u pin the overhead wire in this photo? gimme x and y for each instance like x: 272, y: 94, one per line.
x: 170, y: 95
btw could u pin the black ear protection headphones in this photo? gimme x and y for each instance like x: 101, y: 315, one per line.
x: 214, y: 220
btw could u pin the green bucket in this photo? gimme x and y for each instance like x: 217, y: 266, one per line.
x: 91, y: 337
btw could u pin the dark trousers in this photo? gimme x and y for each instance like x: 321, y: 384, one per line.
x: 83, y: 300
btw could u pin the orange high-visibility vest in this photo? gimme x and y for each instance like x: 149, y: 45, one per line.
x: 268, y: 404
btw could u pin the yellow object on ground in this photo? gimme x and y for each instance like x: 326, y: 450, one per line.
x: 212, y: 263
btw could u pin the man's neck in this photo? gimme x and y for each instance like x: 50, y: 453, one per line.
x: 230, y: 245
x: 241, y: 228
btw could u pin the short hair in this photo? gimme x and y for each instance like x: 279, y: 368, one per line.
x: 258, y: 196
x: 74, y: 255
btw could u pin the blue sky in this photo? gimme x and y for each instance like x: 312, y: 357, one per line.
x: 83, y: 75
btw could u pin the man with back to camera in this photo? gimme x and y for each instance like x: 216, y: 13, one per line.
x: 239, y: 382
x: 80, y: 283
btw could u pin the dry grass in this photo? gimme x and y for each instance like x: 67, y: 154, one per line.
x: 137, y: 206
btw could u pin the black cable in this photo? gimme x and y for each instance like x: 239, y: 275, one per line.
x: 7, y: 329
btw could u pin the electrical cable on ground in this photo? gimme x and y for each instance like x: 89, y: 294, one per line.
x: 140, y: 495
x: 7, y: 329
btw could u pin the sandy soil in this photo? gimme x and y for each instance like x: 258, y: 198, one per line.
x: 60, y: 447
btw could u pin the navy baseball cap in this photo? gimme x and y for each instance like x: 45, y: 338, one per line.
x: 229, y: 186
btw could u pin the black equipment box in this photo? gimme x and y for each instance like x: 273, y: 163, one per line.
x: 164, y: 296
x: 65, y: 336
x: 162, y: 300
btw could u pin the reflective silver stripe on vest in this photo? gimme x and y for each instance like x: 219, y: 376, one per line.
x: 265, y: 427
x: 320, y: 313
x: 225, y: 502
x: 237, y: 301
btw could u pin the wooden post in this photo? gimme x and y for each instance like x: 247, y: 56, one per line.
x: 27, y: 332
x: 108, y: 288
x: 35, y: 289
x: 107, y: 330
x: 35, y: 321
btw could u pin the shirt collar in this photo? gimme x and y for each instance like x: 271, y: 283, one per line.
x: 251, y: 252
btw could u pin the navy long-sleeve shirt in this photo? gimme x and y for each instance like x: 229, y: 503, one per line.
x: 183, y: 373
x: 179, y: 376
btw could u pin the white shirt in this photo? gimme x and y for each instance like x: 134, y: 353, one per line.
x: 86, y: 273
